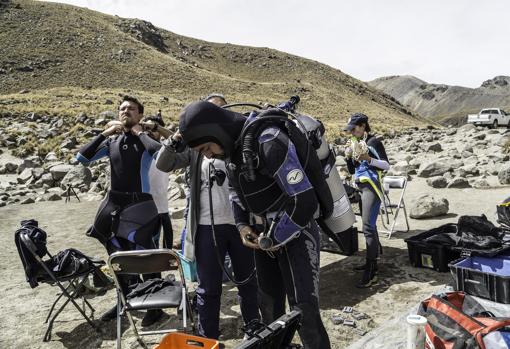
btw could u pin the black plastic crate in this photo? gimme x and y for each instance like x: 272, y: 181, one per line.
x: 424, y: 254
x: 483, y: 277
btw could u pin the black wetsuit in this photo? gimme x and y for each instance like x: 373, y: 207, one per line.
x: 280, y: 190
x: 130, y: 159
x: 370, y: 199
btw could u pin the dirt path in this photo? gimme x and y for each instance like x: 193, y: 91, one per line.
x: 401, y: 286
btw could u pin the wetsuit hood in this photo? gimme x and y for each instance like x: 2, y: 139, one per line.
x: 202, y: 122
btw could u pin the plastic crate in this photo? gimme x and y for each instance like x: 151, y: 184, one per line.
x: 424, y: 254
x: 189, y: 268
x: 185, y: 341
x: 483, y: 277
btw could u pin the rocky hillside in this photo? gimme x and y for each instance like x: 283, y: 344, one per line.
x: 59, y: 60
x: 449, y: 104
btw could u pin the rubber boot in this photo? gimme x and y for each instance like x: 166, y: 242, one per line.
x: 369, y: 277
x: 362, y: 267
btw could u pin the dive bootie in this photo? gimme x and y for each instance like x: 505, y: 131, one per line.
x: 369, y: 277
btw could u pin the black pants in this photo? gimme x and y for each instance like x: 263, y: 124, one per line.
x: 370, y: 211
x: 168, y: 233
x: 210, y: 276
x: 293, y: 271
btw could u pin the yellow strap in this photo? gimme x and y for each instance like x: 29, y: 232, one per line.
x: 364, y: 179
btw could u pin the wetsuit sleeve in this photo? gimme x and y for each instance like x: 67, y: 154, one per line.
x: 94, y: 150
x: 169, y: 160
x: 378, y: 153
x: 152, y: 146
x: 280, y: 159
x: 241, y: 216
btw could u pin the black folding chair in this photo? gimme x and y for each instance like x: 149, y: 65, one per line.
x: 171, y: 296
x: 45, y: 275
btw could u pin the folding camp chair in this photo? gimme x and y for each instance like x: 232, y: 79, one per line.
x: 149, y: 262
x: 72, y: 291
x: 391, y: 209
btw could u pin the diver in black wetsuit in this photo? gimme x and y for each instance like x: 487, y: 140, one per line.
x: 131, y: 152
x: 280, y: 193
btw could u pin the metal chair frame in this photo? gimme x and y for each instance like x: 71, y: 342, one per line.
x: 388, y: 206
x: 71, y: 291
x: 122, y: 303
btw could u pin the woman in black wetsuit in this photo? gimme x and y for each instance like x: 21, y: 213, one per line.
x: 367, y: 168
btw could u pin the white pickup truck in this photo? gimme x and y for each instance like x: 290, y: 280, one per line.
x: 490, y: 117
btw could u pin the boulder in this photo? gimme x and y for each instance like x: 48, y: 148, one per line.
x: 176, y: 192
x: 25, y: 176
x: 69, y: 143
x: 79, y: 175
x: 51, y: 156
x: 434, y: 147
x: 504, y: 139
x: 434, y: 168
x: 427, y: 206
x: 468, y: 170
x: 480, y: 183
x: 59, y: 171
x: 504, y: 175
x: 108, y: 115
x: 177, y: 212
x: 53, y: 197
x: 27, y: 201
x: 27, y: 163
x: 437, y: 182
x: 11, y: 167
x: 466, y: 128
x: 458, y: 182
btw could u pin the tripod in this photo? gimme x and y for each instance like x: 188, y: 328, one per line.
x: 70, y: 191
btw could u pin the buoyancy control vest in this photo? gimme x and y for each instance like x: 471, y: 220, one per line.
x: 316, y: 156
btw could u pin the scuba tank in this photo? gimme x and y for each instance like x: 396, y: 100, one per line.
x: 343, y: 216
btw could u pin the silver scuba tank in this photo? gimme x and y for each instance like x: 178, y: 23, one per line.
x: 343, y: 215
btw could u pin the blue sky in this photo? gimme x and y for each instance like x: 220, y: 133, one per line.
x: 456, y: 42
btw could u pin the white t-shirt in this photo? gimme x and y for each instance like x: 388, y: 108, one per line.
x: 158, y: 181
x: 221, y: 203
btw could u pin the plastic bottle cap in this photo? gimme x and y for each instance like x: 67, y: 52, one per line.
x: 416, y: 320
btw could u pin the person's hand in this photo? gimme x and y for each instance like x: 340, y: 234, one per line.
x: 348, y: 152
x: 177, y: 136
x: 113, y: 127
x: 364, y: 157
x: 136, y: 130
x: 249, y: 237
x: 149, y: 125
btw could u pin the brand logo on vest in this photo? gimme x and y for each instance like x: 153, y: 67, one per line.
x: 295, y: 176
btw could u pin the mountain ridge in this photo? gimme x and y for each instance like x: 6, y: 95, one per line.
x: 442, y: 102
